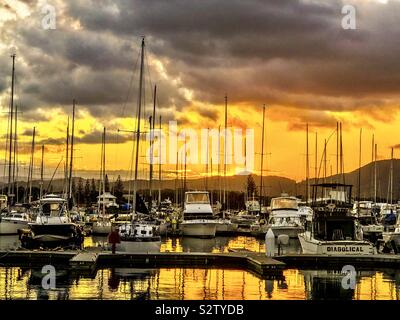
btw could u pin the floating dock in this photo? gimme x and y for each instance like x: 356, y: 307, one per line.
x: 257, y: 263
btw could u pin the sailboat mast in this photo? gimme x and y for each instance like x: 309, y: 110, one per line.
x: 316, y: 158
x: 101, y: 176
x: 72, y: 152
x: 375, y: 158
x: 262, y: 158
x: 225, y: 146
x: 359, y: 172
x: 152, y: 127
x: 41, y: 173
x: 206, y: 176
x: 391, y: 177
x: 15, y: 152
x: 307, y: 166
x: 159, y: 168
x: 10, y: 182
x: 219, y: 165
x: 176, y: 179
x: 32, y: 164
x: 138, y: 123
x: 66, y: 163
x: 104, y: 171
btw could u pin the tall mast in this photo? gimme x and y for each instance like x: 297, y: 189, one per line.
x: 316, y: 158
x: 15, y: 156
x: 138, y: 123
x: 159, y: 168
x: 103, y: 161
x: 176, y: 179
x: 372, y: 167
x: 101, y: 176
x: 262, y: 158
x: 375, y: 158
x: 41, y: 173
x: 325, y: 160
x: 72, y: 153
x: 206, y: 177
x: 359, y: 172
x: 225, y: 146
x: 219, y: 165
x: 337, y: 148
x: 151, y: 161
x: 391, y: 178
x: 307, y: 166
x: 66, y: 183
x: 152, y: 127
x: 341, y: 153
x: 31, y: 165
x: 10, y: 191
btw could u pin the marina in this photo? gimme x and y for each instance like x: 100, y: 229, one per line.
x: 213, y: 153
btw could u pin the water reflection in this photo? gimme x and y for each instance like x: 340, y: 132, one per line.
x: 185, y: 244
x: 208, y: 284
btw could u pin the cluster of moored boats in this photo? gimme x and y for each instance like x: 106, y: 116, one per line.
x: 329, y: 223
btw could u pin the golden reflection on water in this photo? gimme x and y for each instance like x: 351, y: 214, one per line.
x: 187, y: 284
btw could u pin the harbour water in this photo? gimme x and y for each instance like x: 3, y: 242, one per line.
x: 187, y: 284
x: 209, y: 284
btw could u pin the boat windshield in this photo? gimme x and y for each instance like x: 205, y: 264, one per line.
x: 197, y: 198
x: 53, y: 209
x: 284, y: 203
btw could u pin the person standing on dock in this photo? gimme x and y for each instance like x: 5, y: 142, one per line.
x: 114, y: 238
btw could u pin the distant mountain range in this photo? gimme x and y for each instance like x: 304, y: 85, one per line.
x: 275, y: 185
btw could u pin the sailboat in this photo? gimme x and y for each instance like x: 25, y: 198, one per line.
x: 103, y: 225
x: 141, y: 234
x: 53, y: 225
x: 16, y: 217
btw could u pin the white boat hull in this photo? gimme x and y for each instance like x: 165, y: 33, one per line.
x: 226, y: 226
x: 199, y: 228
x: 99, y: 228
x: 313, y: 246
x: 292, y: 232
x: 11, y: 227
x: 139, y: 246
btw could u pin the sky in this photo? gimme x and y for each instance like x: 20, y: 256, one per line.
x: 293, y: 56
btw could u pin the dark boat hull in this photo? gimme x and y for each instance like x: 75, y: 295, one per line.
x: 50, y: 235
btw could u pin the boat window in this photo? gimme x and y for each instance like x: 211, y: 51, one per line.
x: 197, y: 198
x: 284, y: 203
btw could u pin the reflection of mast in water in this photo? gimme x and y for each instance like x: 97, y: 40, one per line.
x: 269, y: 288
x: 204, y: 285
x: 183, y: 276
x: 100, y: 283
x: 243, y: 285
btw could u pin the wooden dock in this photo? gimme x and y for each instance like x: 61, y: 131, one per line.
x: 81, y: 261
x: 367, y: 262
x: 256, y: 263
x: 85, y: 261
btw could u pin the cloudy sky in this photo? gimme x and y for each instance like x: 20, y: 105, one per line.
x: 292, y: 55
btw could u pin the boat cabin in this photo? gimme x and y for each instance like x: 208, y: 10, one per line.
x: 197, y: 205
x: 284, y: 203
x: 332, y: 219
